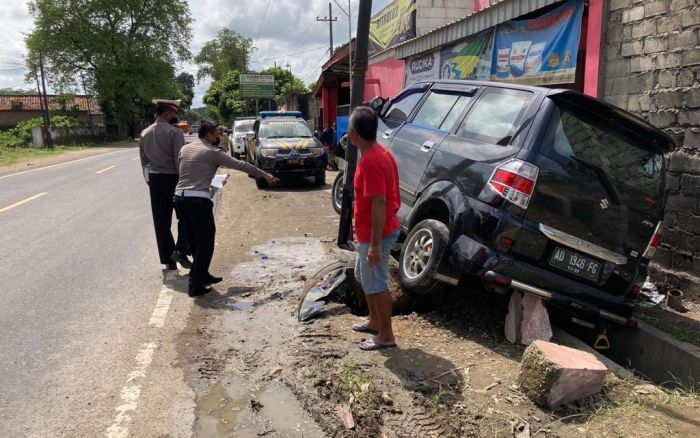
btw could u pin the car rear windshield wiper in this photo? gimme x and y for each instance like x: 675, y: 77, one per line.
x: 607, y: 183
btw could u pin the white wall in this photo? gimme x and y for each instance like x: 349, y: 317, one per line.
x: 431, y: 14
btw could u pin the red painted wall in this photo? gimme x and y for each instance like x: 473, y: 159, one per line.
x: 593, y: 32
x: 390, y: 75
x: 329, y: 103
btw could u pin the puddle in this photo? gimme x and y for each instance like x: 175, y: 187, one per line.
x: 229, y: 410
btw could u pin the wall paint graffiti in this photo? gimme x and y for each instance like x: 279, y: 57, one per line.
x: 540, y: 51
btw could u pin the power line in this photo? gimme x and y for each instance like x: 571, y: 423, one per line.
x: 262, y: 22
x: 289, y: 54
x: 311, y: 70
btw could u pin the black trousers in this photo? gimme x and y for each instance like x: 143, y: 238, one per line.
x: 162, y: 189
x: 197, y: 214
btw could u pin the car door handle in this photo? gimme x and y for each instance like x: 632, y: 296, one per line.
x: 427, y: 146
x: 388, y: 133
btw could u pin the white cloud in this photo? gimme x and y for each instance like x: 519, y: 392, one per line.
x: 288, y: 28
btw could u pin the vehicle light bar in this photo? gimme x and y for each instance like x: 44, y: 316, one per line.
x: 653, y: 242
x: 515, y: 181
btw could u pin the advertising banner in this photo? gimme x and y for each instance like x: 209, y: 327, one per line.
x: 470, y: 59
x: 257, y: 86
x: 422, y: 67
x: 540, y: 51
x: 392, y: 25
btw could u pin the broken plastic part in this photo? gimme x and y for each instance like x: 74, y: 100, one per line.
x: 320, y: 288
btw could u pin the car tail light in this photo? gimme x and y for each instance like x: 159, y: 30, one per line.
x: 515, y: 181
x: 653, y: 243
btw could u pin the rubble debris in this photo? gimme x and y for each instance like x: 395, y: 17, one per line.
x: 527, y: 320
x: 551, y: 374
x: 255, y: 405
x: 345, y: 414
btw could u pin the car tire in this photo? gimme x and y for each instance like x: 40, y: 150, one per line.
x: 320, y: 178
x: 337, y: 192
x: 416, y: 268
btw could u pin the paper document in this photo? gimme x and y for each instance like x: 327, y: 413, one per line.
x: 218, y: 181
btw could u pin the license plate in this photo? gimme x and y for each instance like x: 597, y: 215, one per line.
x: 575, y: 263
x: 295, y: 161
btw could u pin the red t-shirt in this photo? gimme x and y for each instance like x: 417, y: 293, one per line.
x: 376, y: 175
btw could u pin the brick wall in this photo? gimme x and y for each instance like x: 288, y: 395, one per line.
x: 431, y: 14
x: 650, y: 65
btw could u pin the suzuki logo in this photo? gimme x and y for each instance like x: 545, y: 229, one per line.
x: 604, y: 203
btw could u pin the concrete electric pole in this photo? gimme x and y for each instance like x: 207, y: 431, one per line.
x: 330, y: 19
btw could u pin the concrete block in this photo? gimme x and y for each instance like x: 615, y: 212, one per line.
x: 692, y: 139
x: 684, y: 163
x: 552, y: 374
x: 619, y: 4
x: 692, y: 98
x: 673, y: 184
x: 662, y: 119
x: 655, y: 44
x: 685, y: 78
x: 631, y: 48
x: 617, y: 68
x: 643, y: 29
x: 669, y: 60
x: 675, y: 238
x: 680, y: 203
x: 688, y: 223
x: 691, y: 57
x: 691, y: 117
x: 676, y: 5
x: 633, y: 14
x: 684, y: 40
x: 690, y: 186
x: 690, y: 17
x: 535, y: 325
x: 668, y: 24
x: 633, y: 104
x: 667, y: 79
x: 654, y: 8
x: 514, y: 318
x: 645, y: 102
x: 641, y: 63
x: 669, y: 99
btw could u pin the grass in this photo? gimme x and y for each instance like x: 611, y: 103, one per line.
x: 677, y: 333
x: 354, y: 380
x: 9, y: 156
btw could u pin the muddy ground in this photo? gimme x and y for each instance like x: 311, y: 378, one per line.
x: 256, y: 371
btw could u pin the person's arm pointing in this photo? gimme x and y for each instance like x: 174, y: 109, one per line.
x: 225, y: 160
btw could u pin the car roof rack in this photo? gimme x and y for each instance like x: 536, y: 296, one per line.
x: 264, y: 114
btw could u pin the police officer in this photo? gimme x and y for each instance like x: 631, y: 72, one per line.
x: 159, y: 147
x: 198, y: 162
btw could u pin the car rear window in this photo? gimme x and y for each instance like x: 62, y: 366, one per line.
x: 496, y: 116
x: 271, y: 128
x: 243, y: 126
x: 579, y: 138
x: 441, y: 109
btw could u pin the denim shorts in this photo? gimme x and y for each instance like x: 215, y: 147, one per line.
x: 376, y: 278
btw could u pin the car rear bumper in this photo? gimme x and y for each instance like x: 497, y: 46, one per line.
x: 579, y: 299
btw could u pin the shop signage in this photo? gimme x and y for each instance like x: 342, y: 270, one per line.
x: 542, y: 50
x: 423, y: 67
x: 470, y: 59
x: 392, y: 25
x: 257, y: 86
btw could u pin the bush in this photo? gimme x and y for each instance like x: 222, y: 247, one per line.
x: 21, y: 135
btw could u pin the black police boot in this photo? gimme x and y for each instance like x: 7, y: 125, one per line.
x: 182, y: 259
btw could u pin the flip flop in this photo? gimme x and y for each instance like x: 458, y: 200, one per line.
x: 372, y: 345
x: 361, y: 327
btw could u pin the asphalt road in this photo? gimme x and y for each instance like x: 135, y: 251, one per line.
x: 87, y: 326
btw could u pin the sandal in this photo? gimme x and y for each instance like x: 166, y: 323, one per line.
x: 372, y: 345
x: 361, y: 327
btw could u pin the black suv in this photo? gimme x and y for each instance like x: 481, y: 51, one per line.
x: 550, y: 192
x: 284, y: 146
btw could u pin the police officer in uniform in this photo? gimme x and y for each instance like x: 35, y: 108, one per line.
x: 198, y: 162
x: 159, y: 147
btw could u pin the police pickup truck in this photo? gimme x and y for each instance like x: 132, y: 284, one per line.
x: 284, y: 146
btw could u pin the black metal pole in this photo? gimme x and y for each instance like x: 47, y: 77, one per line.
x: 47, y: 118
x: 356, y: 92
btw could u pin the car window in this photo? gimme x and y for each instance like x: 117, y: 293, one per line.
x: 495, y: 116
x: 441, y: 110
x: 243, y: 126
x: 284, y: 128
x: 402, y: 106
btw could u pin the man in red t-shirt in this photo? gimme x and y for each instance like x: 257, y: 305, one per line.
x: 377, y: 200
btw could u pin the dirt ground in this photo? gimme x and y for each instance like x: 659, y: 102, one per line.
x: 256, y: 371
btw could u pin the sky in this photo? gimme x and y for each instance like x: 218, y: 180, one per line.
x: 283, y: 31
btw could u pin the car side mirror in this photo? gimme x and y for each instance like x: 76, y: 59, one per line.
x: 377, y: 103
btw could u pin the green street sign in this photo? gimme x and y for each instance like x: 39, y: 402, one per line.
x: 257, y: 86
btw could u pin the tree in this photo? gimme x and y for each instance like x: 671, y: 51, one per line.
x: 16, y: 92
x: 228, y: 51
x: 124, y: 48
x: 185, y: 82
x: 286, y: 84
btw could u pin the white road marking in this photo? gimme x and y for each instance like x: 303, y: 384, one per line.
x: 23, y: 201
x: 135, y: 158
x: 130, y: 394
x: 162, y: 306
x: 105, y: 169
x: 62, y: 164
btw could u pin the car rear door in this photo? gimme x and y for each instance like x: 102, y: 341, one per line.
x: 415, y: 142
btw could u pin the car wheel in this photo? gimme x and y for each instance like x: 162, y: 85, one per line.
x: 320, y: 178
x: 421, y: 255
x: 337, y: 192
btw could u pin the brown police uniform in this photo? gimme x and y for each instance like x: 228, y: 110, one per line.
x: 159, y: 147
x: 198, y: 163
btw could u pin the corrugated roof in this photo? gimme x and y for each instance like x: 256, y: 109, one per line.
x: 32, y: 103
x: 496, y: 13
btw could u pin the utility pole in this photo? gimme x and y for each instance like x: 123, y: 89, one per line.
x: 330, y: 19
x: 44, y: 131
x: 87, y: 101
x: 356, y: 90
x: 47, y: 120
